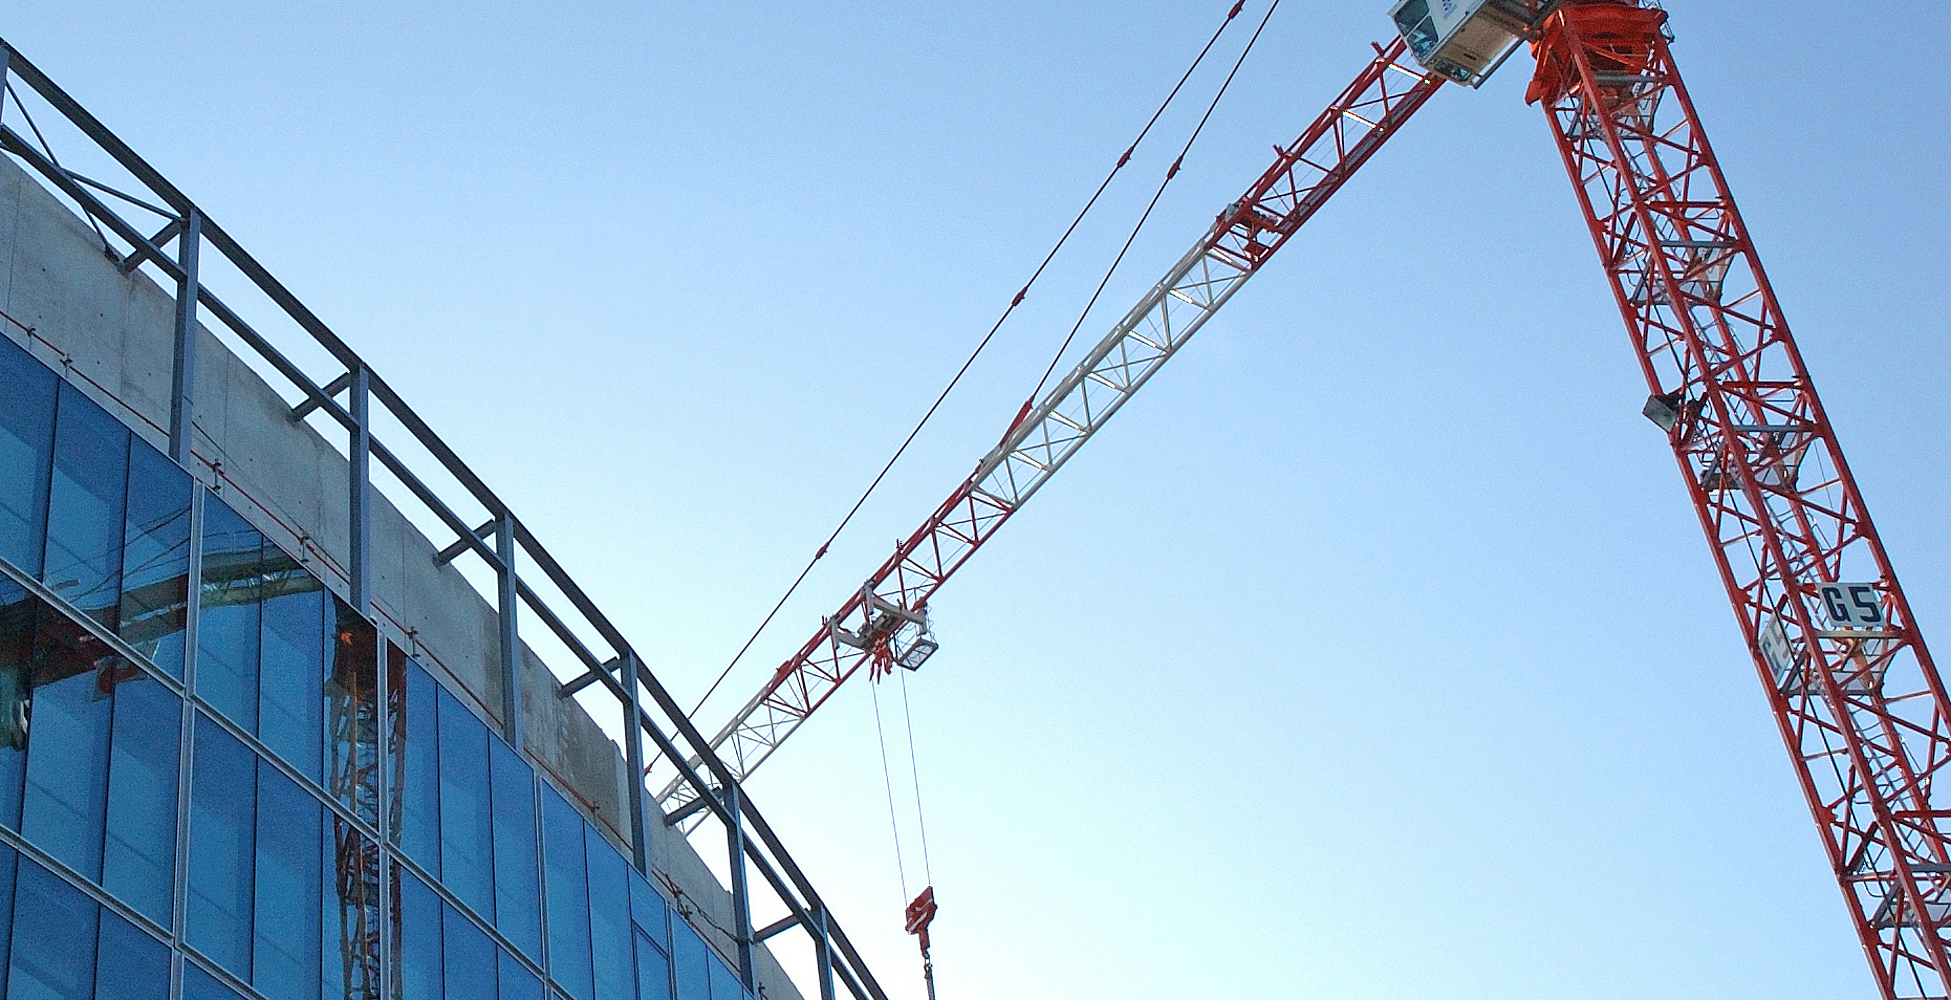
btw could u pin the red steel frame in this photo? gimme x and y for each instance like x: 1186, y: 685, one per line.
x: 1863, y: 712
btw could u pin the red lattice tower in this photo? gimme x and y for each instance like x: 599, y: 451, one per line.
x: 1859, y: 703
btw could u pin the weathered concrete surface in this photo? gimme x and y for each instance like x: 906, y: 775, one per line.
x: 112, y: 335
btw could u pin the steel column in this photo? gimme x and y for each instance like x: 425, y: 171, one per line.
x: 741, y: 897
x: 633, y: 757
x: 182, y: 402
x: 822, y: 953
x: 359, y: 482
x: 508, y: 597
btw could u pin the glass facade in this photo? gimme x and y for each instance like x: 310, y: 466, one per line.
x: 217, y: 780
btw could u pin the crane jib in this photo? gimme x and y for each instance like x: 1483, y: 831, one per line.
x: 1042, y: 438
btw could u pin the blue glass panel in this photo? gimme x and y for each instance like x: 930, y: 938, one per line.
x: 156, y: 558
x: 285, y: 950
x: 291, y: 668
x: 223, y: 810
x: 724, y: 982
x: 653, y: 971
x: 53, y: 954
x: 227, y: 623
x: 691, y: 961
x: 349, y: 869
x: 417, y: 940
x: 466, y: 853
x: 352, y: 691
x: 609, y: 917
x: 139, y: 857
x: 26, y: 454
x: 418, y: 817
x: 517, y: 983
x: 200, y: 985
x: 568, y: 892
x: 65, y: 806
x: 85, y: 507
x: 18, y: 623
x: 649, y: 911
x: 132, y: 965
x: 518, y: 885
x: 469, y: 959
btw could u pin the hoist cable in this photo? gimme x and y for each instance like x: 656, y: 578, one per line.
x: 1171, y: 173
x: 1007, y: 310
x: 914, y: 770
x: 887, y: 778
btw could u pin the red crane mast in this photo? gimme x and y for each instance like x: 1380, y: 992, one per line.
x: 1858, y: 700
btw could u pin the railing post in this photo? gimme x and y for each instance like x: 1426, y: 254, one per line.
x: 741, y: 899
x: 633, y: 759
x: 182, y: 388
x: 511, y: 639
x: 360, y: 451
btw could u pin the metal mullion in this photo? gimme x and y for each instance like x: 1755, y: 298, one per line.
x: 383, y: 751
x: 185, y: 754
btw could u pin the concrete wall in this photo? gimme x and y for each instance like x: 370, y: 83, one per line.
x: 112, y: 336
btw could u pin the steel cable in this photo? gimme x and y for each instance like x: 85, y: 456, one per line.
x: 982, y: 345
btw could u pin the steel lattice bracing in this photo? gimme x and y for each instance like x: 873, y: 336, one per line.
x: 1863, y: 710
x: 1304, y: 175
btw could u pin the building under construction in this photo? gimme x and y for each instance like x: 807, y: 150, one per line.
x: 272, y: 719
x: 259, y: 736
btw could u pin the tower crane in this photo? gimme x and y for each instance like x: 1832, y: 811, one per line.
x: 1857, y: 698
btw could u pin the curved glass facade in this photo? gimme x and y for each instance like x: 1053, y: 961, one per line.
x: 217, y: 779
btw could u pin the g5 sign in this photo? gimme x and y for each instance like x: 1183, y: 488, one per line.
x: 1852, y: 605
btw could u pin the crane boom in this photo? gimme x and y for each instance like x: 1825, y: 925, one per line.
x: 872, y: 624
x: 1859, y: 703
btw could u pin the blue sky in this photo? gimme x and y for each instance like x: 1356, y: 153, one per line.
x: 1373, y: 651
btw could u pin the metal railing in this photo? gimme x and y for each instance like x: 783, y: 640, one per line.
x: 350, y: 400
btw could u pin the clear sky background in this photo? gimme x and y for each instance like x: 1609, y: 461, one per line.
x: 1372, y: 652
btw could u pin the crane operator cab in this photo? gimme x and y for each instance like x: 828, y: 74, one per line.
x: 1467, y: 40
